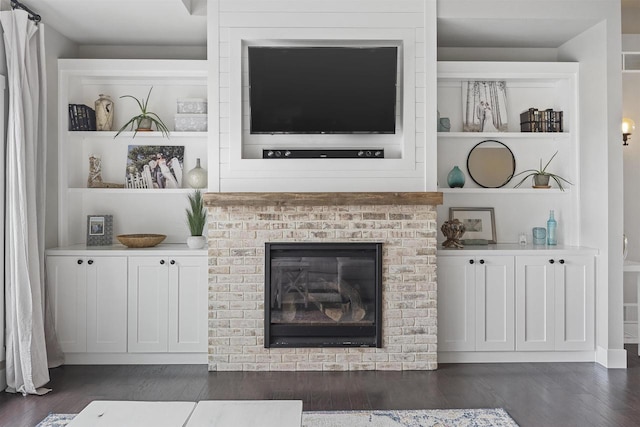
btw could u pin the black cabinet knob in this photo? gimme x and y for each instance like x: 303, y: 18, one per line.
x: 481, y: 261
x: 561, y: 261
x: 79, y: 261
x: 90, y: 262
x: 551, y: 261
x: 172, y: 262
x: 161, y: 262
x: 471, y: 261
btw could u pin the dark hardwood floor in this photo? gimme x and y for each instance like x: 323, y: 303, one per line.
x: 535, y: 394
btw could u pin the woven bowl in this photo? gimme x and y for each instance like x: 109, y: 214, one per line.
x: 140, y: 240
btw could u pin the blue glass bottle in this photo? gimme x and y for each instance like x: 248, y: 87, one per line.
x: 551, y: 230
x: 455, y: 179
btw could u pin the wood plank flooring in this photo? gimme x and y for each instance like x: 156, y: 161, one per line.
x: 535, y: 394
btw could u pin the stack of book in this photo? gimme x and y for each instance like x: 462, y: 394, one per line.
x: 81, y: 117
x: 534, y: 120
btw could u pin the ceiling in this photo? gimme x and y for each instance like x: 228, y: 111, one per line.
x: 183, y: 23
x: 126, y: 22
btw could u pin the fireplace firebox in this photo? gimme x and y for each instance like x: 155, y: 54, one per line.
x: 323, y: 295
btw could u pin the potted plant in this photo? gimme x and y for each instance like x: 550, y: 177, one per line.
x: 144, y: 120
x: 196, y: 219
x: 541, y: 176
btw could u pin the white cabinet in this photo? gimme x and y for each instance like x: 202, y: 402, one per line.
x: 167, y: 304
x: 475, y: 303
x: 89, y: 302
x: 555, y: 302
x: 514, y: 301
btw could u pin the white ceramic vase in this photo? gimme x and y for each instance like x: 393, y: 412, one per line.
x: 196, y: 242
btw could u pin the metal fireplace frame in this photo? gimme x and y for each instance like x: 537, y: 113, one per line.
x: 302, y: 336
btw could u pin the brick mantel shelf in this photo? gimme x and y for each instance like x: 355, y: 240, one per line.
x: 319, y: 199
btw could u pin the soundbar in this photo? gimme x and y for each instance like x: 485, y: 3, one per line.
x: 364, y: 153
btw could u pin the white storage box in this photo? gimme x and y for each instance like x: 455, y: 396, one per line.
x: 191, y: 123
x: 192, y: 106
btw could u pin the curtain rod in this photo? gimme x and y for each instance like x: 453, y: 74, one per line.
x: 15, y: 4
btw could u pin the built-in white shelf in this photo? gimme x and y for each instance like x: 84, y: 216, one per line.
x: 537, y: 191
x: 129, y: 134
x: 123, y: 191
x: 503, y: 135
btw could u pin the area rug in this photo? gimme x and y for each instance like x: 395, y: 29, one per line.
x: 390, y: 418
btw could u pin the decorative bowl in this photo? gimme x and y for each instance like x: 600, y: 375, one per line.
x: 140, y: 240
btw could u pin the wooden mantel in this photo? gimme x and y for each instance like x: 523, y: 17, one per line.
x: 322, y: 199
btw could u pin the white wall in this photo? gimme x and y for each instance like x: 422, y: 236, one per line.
x: 598, y: 50
x: 233, y: 22
x: 631, y: 154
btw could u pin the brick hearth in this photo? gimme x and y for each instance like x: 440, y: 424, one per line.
x: 240, y: 223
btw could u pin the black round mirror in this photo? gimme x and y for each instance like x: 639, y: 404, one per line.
x: 491, y: 164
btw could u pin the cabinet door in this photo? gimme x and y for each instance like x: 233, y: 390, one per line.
x: 148, y: 304
x: 187, y: 304
x: 574, y: 287
x: 66, y: 280
x: 535, y: 302
x: 456, y: 303
x: 106, y: 304
x: 495, y: 306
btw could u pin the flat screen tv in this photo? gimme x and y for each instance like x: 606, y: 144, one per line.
x: 316, y: 90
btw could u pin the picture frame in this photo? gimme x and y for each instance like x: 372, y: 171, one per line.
x: 480, y: 223
x: 484, y: 105
x: 99, y: 230
x: 154, y: 166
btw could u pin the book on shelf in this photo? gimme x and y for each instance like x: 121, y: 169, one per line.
x: 81, y: 117
x: 534, y: 120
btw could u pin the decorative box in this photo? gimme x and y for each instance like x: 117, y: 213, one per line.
x: 192, y: 106
x: 190, y: 123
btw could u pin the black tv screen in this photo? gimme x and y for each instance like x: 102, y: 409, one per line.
x: 322, y: 89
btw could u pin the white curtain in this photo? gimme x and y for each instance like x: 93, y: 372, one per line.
x: 26, y: 356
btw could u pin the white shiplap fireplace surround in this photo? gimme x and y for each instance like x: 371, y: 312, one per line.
x: 241, y: 223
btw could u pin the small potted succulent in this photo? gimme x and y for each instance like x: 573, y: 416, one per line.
x: 144, y: 120
x: 541, y: 177
x: 196, y: 219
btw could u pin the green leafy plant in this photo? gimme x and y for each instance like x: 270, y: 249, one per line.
x: 542, y: 172
x: 145, y: 115
x: 196, y: 213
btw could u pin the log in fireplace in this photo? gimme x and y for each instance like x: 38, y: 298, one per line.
x: 323, y: 295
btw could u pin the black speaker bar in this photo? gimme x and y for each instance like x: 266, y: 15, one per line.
x: 364, y: 153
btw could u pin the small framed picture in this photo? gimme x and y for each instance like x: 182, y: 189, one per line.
x: 99, y: 230
x: 479, y: 223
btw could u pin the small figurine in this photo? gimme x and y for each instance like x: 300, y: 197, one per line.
x: 453, y: 230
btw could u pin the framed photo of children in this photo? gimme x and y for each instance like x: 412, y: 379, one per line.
x: 479, y: 223
x: 99, y: 230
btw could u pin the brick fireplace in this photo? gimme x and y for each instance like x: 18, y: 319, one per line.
x: 239, y: 225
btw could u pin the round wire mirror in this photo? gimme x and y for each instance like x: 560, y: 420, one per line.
x: 491, y: 164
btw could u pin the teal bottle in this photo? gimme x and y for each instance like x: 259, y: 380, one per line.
x: 455, y: 179
x: 552, y: 239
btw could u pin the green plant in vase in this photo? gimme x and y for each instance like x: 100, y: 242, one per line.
x: 144, y: 120
x: 541, y: 176
x: 196, y: 220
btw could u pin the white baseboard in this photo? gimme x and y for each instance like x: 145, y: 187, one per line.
x: 135, y: 358
x: 515, y: 356
x: 612, y: 359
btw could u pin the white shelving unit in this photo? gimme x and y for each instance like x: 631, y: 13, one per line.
x: 81, y: 81
x: 529, y: 85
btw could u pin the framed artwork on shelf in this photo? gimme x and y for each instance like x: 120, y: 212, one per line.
x: 99, y: 230
x: 479, y: 223
x: 154, y: 166
x: 485, y: 106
